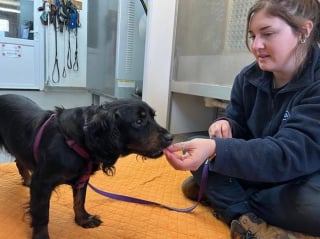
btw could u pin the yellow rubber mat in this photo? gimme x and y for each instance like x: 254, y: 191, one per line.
x: 153, y: 180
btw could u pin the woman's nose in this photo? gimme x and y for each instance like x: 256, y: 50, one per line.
x: 257, y: 43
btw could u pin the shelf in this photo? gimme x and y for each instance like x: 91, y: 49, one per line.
x: 221, y: 92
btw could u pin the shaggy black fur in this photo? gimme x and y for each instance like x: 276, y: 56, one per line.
x: 106, y: 132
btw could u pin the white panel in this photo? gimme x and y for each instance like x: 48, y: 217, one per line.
x: 200, y: 27
x: 17, y: 66
x: 158, y: 57
x: 130, y: 48
x: 25, y: 68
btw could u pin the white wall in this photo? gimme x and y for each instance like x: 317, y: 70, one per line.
x: 158, y: 56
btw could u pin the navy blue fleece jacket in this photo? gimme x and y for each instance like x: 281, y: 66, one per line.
x: 276, y: 134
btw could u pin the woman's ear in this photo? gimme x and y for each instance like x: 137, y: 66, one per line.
x: 306, y: 30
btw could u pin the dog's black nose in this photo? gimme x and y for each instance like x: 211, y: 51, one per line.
x: 168, y: 137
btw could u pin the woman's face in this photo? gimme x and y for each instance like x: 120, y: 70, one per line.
x: 273, y: 43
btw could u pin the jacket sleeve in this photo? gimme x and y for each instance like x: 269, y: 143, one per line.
x: 292, y: 152
x: 235, y: 112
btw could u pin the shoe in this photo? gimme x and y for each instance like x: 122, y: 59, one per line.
x: 249, y: 226
x: 246, y: 226
x: 191, y: 190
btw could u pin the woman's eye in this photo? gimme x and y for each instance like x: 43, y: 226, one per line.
x: 267, y: 34
x: 251, y: 37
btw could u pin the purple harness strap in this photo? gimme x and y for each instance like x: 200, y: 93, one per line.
x: 203, y: 187
x: 85, y: 177
x: 39, y: 136
x: 83, y: 153
x: 72, y: 144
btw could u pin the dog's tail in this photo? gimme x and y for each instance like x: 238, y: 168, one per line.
x: 1, y: 143
x: 2, y: 148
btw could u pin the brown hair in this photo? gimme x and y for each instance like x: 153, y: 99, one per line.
x: 294, y: 13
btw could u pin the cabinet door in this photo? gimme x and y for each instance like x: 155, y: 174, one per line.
x: 21, y: 45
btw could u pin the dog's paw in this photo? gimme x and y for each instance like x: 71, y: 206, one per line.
x: 40, y: 233
x: 90, y: 222
x: 40, y: 237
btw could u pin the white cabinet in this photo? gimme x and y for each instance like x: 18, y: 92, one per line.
x: 21, y: 45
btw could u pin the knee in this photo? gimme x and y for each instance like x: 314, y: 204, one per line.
x: 307, y: 203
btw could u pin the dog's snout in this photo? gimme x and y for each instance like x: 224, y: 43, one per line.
x: 168, y: 138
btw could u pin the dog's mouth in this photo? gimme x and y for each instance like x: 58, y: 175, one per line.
x: 156, y: 154
x: 153, y: 154
x: 150, y: 148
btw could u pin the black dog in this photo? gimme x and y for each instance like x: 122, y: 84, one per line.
x: 66, y: 146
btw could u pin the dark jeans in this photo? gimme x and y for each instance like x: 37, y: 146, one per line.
x: 293, y: 205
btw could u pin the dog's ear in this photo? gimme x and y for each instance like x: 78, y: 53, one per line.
x: 101, y: 131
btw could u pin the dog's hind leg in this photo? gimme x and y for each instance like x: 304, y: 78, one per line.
x: 24, y: 172
x: 40, y: 193
x: 82, y: 217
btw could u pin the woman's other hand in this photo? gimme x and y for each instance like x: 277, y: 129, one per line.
x: 220, y: 129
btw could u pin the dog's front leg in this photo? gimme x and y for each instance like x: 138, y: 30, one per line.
x: 82, y: 217
x: 40, y: 194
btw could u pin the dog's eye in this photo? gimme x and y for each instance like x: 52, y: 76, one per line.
x: 139, y: 121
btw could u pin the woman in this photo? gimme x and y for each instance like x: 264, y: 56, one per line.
x: 265, y: 166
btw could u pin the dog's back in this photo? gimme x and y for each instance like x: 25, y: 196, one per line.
x: 19, y: 117
x: 14, y: 104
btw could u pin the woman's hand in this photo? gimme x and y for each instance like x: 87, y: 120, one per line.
x: 194, y: 153
x: 220, y: 129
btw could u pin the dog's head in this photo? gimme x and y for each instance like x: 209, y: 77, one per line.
x: 123, y: 127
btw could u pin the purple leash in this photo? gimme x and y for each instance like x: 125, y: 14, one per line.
x: 124, y: 198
